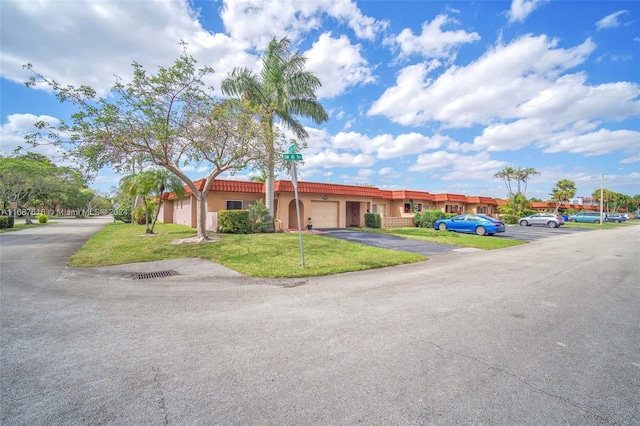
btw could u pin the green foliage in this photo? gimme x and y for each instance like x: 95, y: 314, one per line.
x: 32, y: 181
x: 6, y: 222
x: 372, y: 220
x: 527, y: 212
x: 233, y: 222
x: 282, y: 90
x: 143, y: 216
x: 43, y: 218
x: 510, y: 219
x: 427, y: 218
x: 260, y: 217
x: 169, y: 119
x: 123, y: 214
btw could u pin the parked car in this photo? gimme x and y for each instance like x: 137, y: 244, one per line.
x: 615, y: 217
x: 471, y: 223
x: 547, y: 219
x: 588, y: 217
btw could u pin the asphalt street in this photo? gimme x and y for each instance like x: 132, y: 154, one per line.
x: 541, y: 333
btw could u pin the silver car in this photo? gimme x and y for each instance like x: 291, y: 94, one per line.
x: 547, y: 219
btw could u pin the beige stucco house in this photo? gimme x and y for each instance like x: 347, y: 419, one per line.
x: 326, y: 205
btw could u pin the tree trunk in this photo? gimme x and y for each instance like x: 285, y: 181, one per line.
x: 155, y: 219
x: 146, y: 216
x: 268, y: 194
x: 201, y: 215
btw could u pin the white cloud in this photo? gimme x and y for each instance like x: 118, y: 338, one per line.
x: 631, y: 160
x: 17, y: 126
x: 256, y: 22
x: 564, y: 111
x: 520, y: 9
x: 600, y: 142
x: 433, y: 42
x: 328, y: 159
x: 361, y: 178
x: 93, y: 41
x: 338, y: 64
x: 479, y: 166
x: 386, y: 146
x: 490, y: 88
x: 611, y: 21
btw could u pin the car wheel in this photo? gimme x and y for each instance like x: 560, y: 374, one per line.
x: 524, y: 223
x: 573, y: 220
x: 442, y: 227
x: 481, y: 230
x: 617, y: 221
x: 552, y: 224
x: 596, y: 221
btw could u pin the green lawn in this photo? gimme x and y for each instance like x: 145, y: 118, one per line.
x: 257, y: 255
x: 446, y: 237
x: 605, y: 225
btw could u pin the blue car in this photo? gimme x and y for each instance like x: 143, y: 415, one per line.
x: 471, y: 223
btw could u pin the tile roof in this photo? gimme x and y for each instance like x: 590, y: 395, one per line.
x: 222, y: 185
x: 409, y: 195
x: 481, y: 200
x: 327, y: 188
x: 450, y: 197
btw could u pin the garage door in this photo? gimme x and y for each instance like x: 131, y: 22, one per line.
x: 324, y: 214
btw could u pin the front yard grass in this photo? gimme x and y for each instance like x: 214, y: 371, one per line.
x: 257, y: 255
x: 448, y: 237
x: 605, y: 225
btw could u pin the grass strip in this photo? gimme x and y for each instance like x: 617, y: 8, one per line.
x: 257, y: 255
x: 448, y: 237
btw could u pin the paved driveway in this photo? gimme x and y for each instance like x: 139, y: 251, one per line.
x: 426, y: 248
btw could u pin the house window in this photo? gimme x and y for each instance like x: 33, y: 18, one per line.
x: 452, y: 208
x: 419, y: 207
x: 482, y: 210
x: 234, y: 205
x: 407, y: 208
x: 379, y: 208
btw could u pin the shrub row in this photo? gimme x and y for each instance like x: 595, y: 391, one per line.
x: 426, y: 218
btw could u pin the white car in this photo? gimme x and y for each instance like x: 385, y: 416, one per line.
x: 547, y: 219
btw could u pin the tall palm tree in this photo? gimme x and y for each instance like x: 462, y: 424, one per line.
x: 523, y: 175
x: 281, y: 90
x: 506, y: 174
x: 564, y: 190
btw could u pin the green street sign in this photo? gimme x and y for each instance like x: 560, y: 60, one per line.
x: 292, y: 157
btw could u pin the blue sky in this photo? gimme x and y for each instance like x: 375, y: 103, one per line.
x: 425, y: 95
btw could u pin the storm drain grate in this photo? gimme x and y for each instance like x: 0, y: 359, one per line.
x: 159, y: 274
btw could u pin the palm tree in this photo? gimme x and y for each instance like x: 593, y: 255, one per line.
x: 523, y: 176
x: 281, y: 90
x: 152, y: 183
x: 564, y: 190
x: 506, y: 174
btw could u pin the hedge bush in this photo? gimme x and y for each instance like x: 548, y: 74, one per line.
x: 372, y: 220
x: 123, y: 214
x: 509, y: 219
x: 427, y: 218
x: 6, y: 222
x: 233, y: 222
x: 42, y: 218
x: 260, y: 217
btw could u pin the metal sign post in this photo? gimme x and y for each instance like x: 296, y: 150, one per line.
x: 293, y: 157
